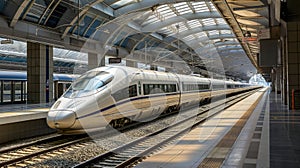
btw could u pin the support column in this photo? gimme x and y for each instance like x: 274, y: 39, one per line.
x: 130, y: 63
x: 284, y: 65
x: 93, y: 61
x: 39, y: 73
x: 293, y: 61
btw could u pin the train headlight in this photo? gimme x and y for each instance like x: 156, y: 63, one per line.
x: 61, y: 119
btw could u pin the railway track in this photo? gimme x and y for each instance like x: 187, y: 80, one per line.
x: 37, y: 151
x: 129, y: 154
x: 19, y: 156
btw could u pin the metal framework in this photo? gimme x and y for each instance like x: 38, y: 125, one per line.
x: 185, y: 27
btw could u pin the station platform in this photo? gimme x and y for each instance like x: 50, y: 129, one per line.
x: 18, y: 121
x: 22, y: 112
x: 257, y: 132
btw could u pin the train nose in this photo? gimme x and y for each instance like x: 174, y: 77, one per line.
x: 61, y: 119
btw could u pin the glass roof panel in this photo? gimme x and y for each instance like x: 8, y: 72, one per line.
x: 181, y: 12
x: 169, y: 15
x: 166, y: 31
x: 213, y: 32
x: 165, y: 11
x: 93, y: 28
x: 200, y: 34
x: 152, y: 20
x: 194, y: 23
x: 225, y: 31
x: 212, y: 6
x: 208, y: 22
x: 189, y: 38
x: 220, y: 21
x: 179, y: 4
x: 163, y: 8
x: 200, y: 6
x: 36, y: 11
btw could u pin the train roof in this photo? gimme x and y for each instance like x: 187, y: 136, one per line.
x: 22, y: 76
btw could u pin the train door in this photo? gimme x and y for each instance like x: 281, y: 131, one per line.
x: 7, y: 91
x: 17, y: 89
x: 24, y: 89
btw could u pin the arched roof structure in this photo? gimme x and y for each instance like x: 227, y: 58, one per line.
x: 198, y: 31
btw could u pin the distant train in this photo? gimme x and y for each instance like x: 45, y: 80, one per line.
x: 13, y: 86
x: 114, y: 95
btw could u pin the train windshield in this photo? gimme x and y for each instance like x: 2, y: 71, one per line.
x: 88, y: 84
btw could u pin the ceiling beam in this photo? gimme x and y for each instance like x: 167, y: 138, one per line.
x: 17, y: 15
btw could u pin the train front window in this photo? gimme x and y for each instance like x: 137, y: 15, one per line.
x: 88, y: 84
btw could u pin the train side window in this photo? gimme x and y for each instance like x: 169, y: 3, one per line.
x: 162, y: 87
x: 166, y: 88
x: 151, y: 86
x: 169, y: 88
x: 132, y: 91
x: 173, y: 88
x: 158, y: 88
x: 125, y: 93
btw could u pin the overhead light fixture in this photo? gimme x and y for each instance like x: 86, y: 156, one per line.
x: 247, y: 34
x: 7, y: 41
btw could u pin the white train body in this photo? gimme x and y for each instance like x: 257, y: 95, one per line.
x: 107, y: 94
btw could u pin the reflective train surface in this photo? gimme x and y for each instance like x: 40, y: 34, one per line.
x: 114, y: 95
x: 13, y: 86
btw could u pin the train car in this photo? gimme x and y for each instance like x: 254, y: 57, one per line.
x: 13, y: 86
x: 115, y: 95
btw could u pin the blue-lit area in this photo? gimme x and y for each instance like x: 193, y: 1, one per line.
x: 64, y: 60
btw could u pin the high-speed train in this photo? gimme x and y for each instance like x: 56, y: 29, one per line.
x: 114, y: 95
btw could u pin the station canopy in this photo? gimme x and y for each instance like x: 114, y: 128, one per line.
x: 198, y: 33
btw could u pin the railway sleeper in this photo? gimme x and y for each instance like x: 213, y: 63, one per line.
x: 113, y: 161
x: 103, y: 165
x: 119, y: 159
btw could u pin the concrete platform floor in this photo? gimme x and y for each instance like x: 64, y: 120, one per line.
x: 269, y: 138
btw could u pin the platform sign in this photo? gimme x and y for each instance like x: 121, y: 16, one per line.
x: 249, y: 39
x: 114, y: 60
